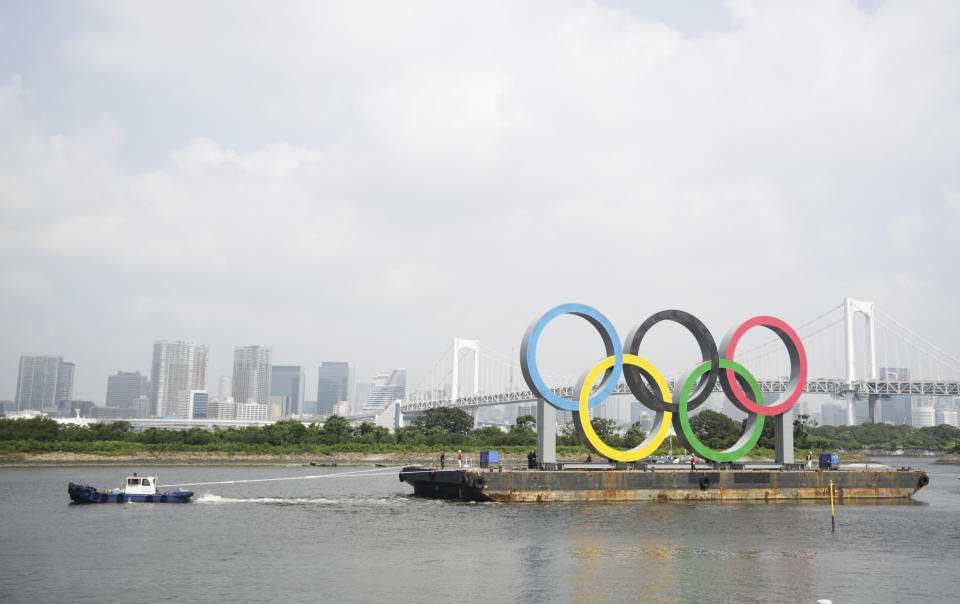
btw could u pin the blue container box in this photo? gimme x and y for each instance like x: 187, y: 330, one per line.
x: 829, y: 461
x: 489, y: 457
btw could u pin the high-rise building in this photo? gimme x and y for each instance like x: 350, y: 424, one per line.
x: 124, y: 388
x: 897, y: 409
x: 252, y: 367
x: 65, y: 381
x: 386, y: 388
x: 333, y: 385
x: 178, y: 367
x: 38, y: 382
x: 288, y: 382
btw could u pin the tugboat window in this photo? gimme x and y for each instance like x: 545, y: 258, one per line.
x: 133, y: 481
x: 146, y: 482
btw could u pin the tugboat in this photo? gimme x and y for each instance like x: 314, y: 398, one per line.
x: 133, y: 488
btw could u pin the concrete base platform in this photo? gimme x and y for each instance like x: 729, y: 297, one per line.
x: 640, y: 485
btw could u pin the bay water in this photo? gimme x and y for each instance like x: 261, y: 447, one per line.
x: 358, y: 535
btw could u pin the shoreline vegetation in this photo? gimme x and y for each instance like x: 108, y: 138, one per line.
x: 333, y: 459
x: 42, y: 441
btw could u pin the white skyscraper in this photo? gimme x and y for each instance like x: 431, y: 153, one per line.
x: 178, y: 367
x: 386, y: 388
x: 252, y: 370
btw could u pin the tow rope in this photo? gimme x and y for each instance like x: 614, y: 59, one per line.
x: 380, y: 472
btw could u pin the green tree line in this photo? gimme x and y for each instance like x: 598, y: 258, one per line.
x: 442, y: 428
x: 718, y: 431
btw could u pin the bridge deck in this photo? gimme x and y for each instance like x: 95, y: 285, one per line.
x: 833, y: 387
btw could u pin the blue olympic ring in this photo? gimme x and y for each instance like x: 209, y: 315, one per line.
x: 611, y: 342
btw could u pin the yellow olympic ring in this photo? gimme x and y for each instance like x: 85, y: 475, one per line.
x: 653, y: 440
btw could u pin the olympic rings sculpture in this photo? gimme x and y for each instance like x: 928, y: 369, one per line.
x: 651, y: 389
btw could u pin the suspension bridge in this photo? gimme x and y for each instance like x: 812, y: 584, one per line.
x: 873, y: 354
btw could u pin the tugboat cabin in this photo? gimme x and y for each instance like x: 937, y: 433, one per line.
x: 140, y: 485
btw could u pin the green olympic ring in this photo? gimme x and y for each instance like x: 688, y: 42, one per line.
x: 681, y: 422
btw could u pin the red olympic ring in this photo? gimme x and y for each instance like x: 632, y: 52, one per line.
x: 798, y: 365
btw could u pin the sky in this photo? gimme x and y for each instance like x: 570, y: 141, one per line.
x: 365, y: 181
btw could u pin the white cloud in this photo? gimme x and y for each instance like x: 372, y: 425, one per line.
x: 908, y: 281
x: 952, y: 195
x: 24, y: 283
x: 434, y: 167
x: 905, y: 230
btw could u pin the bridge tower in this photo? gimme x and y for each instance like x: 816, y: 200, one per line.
x: 850, y: 308
x: 459, y: 346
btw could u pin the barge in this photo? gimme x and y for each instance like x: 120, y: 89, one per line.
x: 579, y: 483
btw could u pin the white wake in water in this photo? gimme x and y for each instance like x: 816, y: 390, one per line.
x: 211, y: 498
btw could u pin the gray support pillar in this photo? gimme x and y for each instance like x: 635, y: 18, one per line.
x: 783, y: 436
x: 851, y: 409
x: 872, y: 403
x: 546, y: 432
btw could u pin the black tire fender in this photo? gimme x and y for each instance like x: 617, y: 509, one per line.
x: 163, y: 499
x: 120, y: 497
x: 704, y: 483
x: 104, y: 497
x: 479, y: 481
x: 86, y: 493
x: 148, y: 498
x: 924, y: 480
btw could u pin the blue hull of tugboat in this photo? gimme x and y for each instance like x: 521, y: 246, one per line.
x: 81, y: 493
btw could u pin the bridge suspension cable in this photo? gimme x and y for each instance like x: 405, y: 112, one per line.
x: 943, y: 357
x: 834, y: 346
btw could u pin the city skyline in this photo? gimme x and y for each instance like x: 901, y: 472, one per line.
x: 400, y: 181
x: 253, y: 369
x: 181, y: 369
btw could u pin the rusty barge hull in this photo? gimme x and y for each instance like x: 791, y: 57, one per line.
x: 638, y: 485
